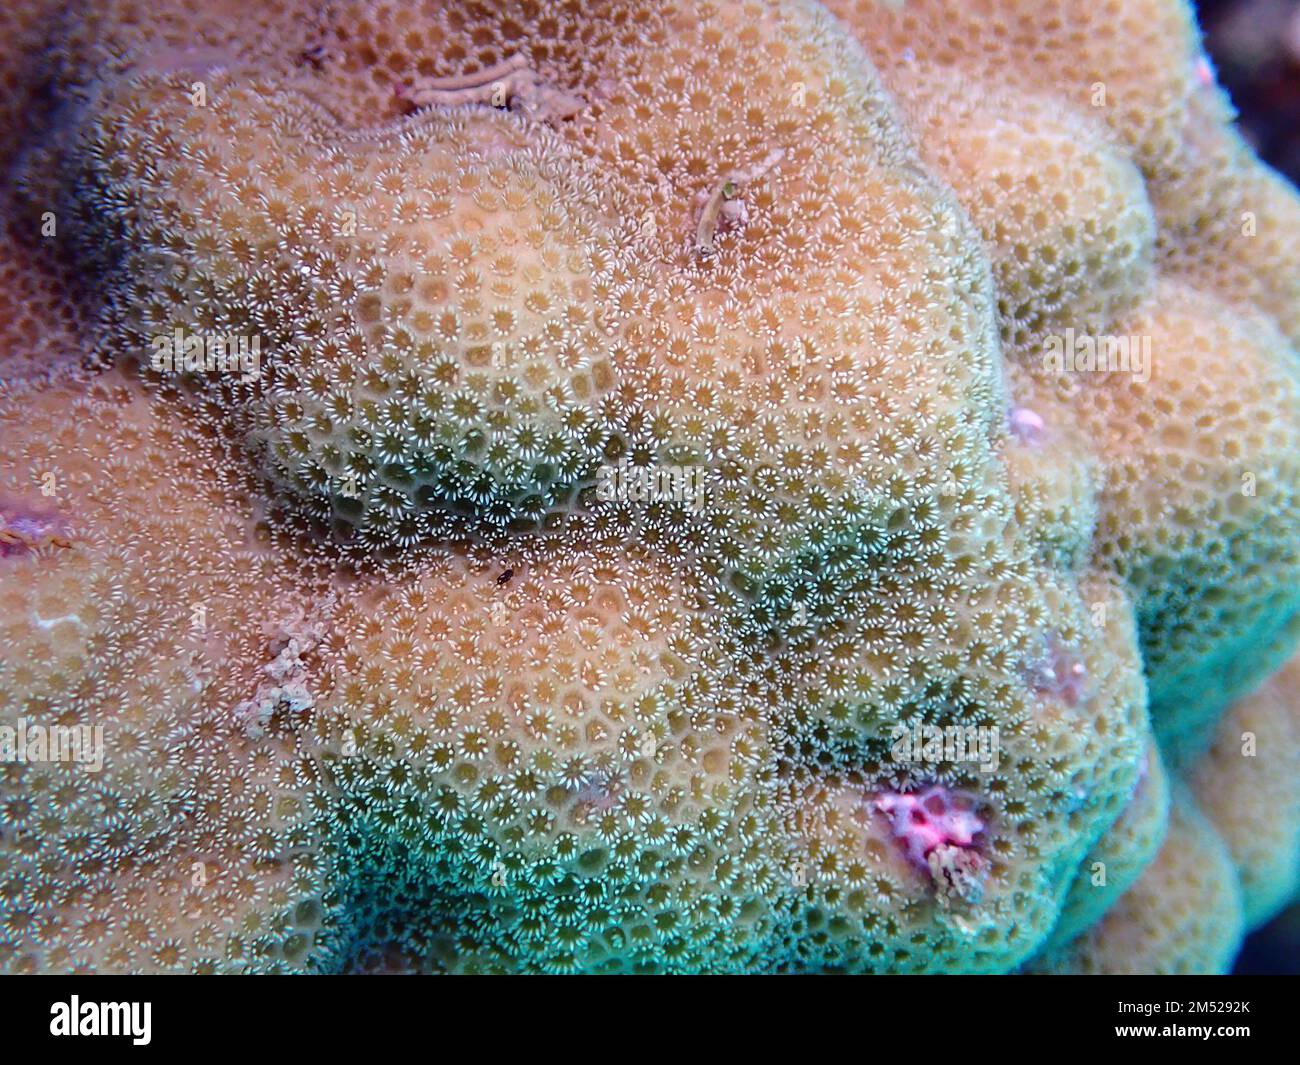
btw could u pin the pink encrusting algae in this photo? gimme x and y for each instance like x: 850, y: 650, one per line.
x: 931, y: 818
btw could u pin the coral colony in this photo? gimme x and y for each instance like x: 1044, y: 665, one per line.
x: 879, y: 553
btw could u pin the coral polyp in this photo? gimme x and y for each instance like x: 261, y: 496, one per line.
x: 522, y: 487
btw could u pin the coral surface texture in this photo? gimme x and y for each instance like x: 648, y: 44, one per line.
x: 650, y: 486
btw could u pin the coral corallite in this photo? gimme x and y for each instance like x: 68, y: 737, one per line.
x: 522, y: 487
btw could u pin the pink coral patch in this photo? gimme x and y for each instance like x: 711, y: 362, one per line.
x: 926, y: 820
x: 24, y: 528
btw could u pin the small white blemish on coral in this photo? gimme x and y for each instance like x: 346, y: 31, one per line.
x: 49, y: 623
x: 1060, y: 672
x: 725, y: 208
x: 511, y: 83
x: 291, y: 641
x: 1026, y: 426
